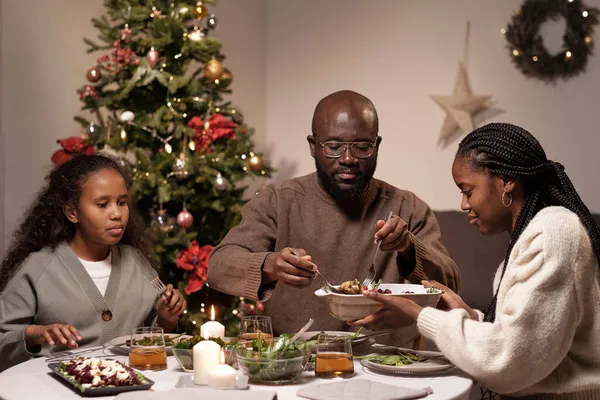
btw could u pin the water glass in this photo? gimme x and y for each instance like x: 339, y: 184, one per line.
x: 334, y: 356
x: 253, y: 326
x: 147, y: 349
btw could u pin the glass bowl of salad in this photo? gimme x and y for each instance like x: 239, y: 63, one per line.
x: 183, y: 352
x: 274, y: 362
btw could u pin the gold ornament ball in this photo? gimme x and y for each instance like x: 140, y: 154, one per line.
x: 93, y: 75
x: 225, y: 79
x: 255, y: 163
x: 213, y: 69
x: 200, y: 11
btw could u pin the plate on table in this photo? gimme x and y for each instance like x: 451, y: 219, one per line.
x: 432, y: 362
x: 60, y: 370
x: 358, y: 340
x: 121, y: 344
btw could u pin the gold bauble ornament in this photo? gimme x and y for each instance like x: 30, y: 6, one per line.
x: 93, y: 75
x: 225, y: 79
x: 213, y: 69
x: 255, y: 163
x: 200, y: 11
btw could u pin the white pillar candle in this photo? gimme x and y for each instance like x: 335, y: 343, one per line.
x: 212, y: 328
x: 206, y: 357
x: 222, y: 377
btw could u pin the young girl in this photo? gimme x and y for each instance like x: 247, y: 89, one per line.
x: 76, y: 274
x: 539, y: 336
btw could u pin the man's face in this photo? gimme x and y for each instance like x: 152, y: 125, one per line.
x: 347, y: 176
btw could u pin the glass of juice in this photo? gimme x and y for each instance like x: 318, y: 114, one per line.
x: 147, y: 349
x: 334, y: 356
x: 253, y: 326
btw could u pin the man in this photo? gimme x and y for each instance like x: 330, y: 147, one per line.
x: 326, y: 221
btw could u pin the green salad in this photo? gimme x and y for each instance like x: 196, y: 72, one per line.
x: 274, y: 362
x: 189, y: 343
x: 395, y: 360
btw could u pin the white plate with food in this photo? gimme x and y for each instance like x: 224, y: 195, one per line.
x: 121, y: 344
x: 356, y: 339
x: 353, y: 305
x: 407, y: 362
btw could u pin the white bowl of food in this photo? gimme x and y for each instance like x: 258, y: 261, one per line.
x: 352, y: 305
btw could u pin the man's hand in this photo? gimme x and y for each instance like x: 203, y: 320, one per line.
x: 393, y: 234
x: 290, y: 266
x: 53, y: 334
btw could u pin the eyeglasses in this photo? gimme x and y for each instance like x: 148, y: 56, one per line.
x: 335, y: 149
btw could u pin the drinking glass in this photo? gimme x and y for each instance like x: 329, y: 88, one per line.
x: 334, y: 357
x: 254, y: 325
x: 147, y: 349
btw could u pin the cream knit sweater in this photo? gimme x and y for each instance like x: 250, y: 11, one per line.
x: 546, y: 336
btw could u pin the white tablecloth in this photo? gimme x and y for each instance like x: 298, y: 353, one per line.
x: 33, y: 380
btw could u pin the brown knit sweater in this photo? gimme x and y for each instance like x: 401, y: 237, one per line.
x: 299, y: 213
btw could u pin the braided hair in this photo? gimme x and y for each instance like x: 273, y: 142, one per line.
x: 510, y: 151
x: 45, y: 224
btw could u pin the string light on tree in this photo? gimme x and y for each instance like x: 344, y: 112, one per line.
x: 91, y: 129
x: 196, y: 34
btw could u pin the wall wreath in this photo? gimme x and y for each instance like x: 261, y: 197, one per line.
x: 526, y: 45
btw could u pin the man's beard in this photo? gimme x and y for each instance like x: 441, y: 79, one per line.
x: 352, y: 194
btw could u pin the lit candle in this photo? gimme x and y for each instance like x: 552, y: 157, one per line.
x: 206, y: 357
x: 212, y: 328
x: 222, y: 376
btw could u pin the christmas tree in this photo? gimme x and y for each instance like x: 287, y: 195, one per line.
x: 157, y: 94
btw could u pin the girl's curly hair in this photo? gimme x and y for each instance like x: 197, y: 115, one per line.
x: 45, y: 224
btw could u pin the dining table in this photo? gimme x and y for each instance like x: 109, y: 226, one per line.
x: 34, y: 379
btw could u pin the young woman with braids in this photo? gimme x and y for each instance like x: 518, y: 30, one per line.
x: 73, y: 275
x: 539, y: 336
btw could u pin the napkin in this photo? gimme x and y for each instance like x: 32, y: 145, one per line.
x: 361, y: 389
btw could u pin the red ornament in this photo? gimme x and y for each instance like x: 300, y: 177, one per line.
x: 185, y: 219
x: 194, y: 260
x: 215, y: 128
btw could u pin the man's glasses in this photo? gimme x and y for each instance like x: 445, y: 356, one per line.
x: 335, y: 149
